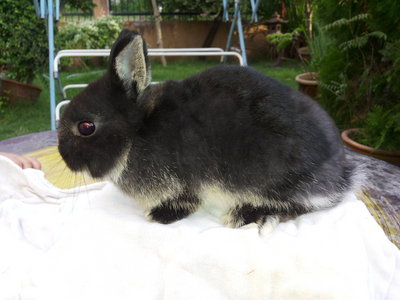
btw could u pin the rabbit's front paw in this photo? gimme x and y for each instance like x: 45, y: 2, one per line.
x: 174, y: 209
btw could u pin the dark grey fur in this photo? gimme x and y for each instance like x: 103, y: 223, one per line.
x: 229, y: 130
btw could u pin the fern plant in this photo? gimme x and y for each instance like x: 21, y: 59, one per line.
x: 346, y: 22
x: 362, y: 40
x: 360, y: 72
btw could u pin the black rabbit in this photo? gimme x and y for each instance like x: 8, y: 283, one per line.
x: 228, y: 138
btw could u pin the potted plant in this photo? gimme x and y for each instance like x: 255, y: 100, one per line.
x: 23, y: 51
x: 311, y: 56
x: 308, y: 83
x: 379, y: 137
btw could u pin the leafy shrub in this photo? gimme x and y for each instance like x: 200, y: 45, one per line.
x: 281, y: 40
x: 23, y: 40
x: 76, y: 36
x: 97, y: 34
x: 107, y: 31
x: 3, y: 104
x: 82, y: 5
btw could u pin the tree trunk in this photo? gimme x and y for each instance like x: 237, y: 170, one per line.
x: 308, y: 15
x: 213, y: 30
x: 101, y: 9
x: 157, y: 16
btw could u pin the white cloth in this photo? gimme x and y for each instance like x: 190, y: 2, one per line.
x: 94, y: 243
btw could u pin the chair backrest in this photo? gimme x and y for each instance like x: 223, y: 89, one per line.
x: 151, y: 52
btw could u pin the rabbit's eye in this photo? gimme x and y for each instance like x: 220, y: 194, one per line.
x: 86, y: 128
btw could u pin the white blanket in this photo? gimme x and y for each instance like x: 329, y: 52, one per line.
x: 94, y: 243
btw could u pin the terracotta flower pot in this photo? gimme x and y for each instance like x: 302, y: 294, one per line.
x: 308, y: 83
x: 12, y: 91
x: 389, y: 156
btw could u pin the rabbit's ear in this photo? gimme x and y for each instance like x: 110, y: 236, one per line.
x: 129, y: 62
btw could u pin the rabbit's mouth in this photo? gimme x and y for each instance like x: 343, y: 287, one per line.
x: 80, y: 158
x: 96, y: 162
x: 115, y: 173
x: 91, y: 168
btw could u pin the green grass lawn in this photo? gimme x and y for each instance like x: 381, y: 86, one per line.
x: 16, y: 120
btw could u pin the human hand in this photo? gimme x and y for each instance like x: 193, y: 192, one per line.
x: 23, y: 161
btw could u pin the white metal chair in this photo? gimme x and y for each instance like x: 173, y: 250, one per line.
x: 151, y: 52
